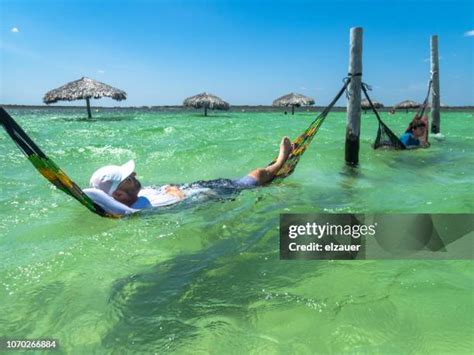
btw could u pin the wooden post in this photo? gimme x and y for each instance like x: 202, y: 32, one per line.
x: 353, y: 106
x: 88, y: 108
x: 435, y: 99
x: 205, y: 110
x: 292, y: 109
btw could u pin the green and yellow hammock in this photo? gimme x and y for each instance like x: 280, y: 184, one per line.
x: 46, y: 166
x: 58, y: 177
x: 302, y: 142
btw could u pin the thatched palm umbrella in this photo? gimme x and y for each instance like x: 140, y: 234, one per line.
x: 206, y: 100
x: 81, y: 89
x: 365, y: 105
x: 293, y: 100
x: 407, y: 104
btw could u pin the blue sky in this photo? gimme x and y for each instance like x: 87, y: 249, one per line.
x: 247, y: 52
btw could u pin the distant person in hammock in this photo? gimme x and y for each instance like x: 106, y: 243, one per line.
x: 120, y: 183
x: 416, y: 134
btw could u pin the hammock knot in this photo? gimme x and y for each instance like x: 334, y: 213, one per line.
x: 366, y: 86
x: 346, y: 82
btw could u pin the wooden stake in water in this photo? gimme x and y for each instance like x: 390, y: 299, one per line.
x: 353, y: 106
x: 435, y: 97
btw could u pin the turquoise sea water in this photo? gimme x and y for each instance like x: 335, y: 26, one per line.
x: 207, y: 278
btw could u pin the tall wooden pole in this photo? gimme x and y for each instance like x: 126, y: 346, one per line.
x: 88, y: 108
x: 353, y: 106
x: 435, y: 97
x: 205, y: 110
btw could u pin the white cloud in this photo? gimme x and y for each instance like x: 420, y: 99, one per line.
x: 101, y: 71
x: 302, y: 87
x: 469, y: 33
x: 14, y: 30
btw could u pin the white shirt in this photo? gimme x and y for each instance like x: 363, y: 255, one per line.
x: 150, y: 197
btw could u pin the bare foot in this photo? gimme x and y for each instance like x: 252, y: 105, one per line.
x: 265, y: 175
x: 285, y: 149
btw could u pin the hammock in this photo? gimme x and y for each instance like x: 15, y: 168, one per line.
x: 385, y: 137
x: 301, y: 143
x: 47, y: 167
x: 58, y: 177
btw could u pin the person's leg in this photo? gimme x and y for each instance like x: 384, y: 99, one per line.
x: 265, y: 175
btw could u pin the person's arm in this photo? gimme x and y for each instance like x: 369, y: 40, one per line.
x: 424, y: 144
x: 423, y: 141
x: 108, y: 203
x: 175, y: 191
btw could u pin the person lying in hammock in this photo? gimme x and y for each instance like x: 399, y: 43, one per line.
x: 416, y: 134
x: 120, y: 183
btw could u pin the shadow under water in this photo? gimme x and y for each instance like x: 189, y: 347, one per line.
x: 173, y: 297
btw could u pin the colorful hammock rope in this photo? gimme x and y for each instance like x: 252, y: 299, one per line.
x: 301, y: 143
x: 46, y: 166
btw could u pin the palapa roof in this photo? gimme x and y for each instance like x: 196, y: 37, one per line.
x: 84, y: 88
x: 206, y: 100
x: 293, y: 99
x: 365, y: 105
x: 407, y: 104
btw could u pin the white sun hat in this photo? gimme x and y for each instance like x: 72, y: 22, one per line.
x: 109, y: 177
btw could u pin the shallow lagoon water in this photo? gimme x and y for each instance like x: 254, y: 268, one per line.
x: 207, y: 277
